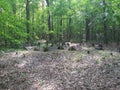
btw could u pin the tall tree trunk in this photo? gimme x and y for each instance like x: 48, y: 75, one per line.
x: 48, y: 5
x: 52, y: 26
x: 69, y: 28
x: 61, y: 33
x: 27, y: 20
x: 104, y: 23
x: 114, y: 32
x: 69, y: 22
x: 33, y: 16
x: 118, y: 35
x: 87, y: 30
x: 49, y: 24
x: 33, y: 27
x: 49, y: 18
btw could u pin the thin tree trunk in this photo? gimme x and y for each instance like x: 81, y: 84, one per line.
x: 69, y: 26
x: 33, y: 12
x: 60, y: 37
x: 114, y: 32
x: 52, y: 27
x: 104, y: 23
x: 48, y: 5
x: 49, y: 18
x: 69, y: 22
x: 27, y: 19
x: 49, y: 24
x: 118, y: 36
x: 87, y: 30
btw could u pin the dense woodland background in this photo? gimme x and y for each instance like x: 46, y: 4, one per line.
x: 80, y: 40
x: 24, y: 22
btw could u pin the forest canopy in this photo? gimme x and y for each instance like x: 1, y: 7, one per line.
x: 27, y: 21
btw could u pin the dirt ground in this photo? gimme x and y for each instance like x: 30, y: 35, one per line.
x: 60, y: 70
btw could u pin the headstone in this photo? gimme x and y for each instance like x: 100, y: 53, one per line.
x: 29, y: 48
x: 74, y: 46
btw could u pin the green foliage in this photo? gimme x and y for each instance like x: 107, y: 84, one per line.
x: 67, y: 20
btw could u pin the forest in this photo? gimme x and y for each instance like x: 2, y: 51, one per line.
x: 59, y: 44
x: 25, y: 22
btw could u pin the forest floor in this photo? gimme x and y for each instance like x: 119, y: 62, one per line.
x: 60, y: 70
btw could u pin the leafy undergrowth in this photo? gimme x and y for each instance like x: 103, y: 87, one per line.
x: 60, y: 70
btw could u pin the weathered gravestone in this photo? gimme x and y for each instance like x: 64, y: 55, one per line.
x: 30, y: 48
x: 72, y: 46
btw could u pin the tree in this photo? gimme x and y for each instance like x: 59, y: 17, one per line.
x: 28, y: 19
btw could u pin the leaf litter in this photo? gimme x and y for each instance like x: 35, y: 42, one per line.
x: 59, y: 70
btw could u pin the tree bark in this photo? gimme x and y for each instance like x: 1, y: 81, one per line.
x: 87, y: 30
x: 27, y: 20
x: 52, y: 27
x: 33, y: 17
x: 69, y: 27
x: 104, y: 23
x: 61, y: 33
x: 49, y: 24
x: 49, y: 18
